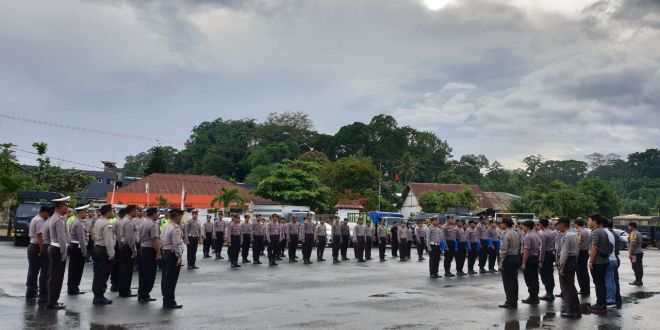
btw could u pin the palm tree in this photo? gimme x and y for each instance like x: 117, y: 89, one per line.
x: 162, y: 201
x: 226, y: 196
x: 407, y: 166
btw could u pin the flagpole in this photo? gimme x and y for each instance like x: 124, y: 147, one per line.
x: 183, y: 195
x: 114, y: 186
x: 147, y: 188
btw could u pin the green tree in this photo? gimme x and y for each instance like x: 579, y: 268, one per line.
x: 51, y: 178
x: 259, y: 173
x: 135, y: 165
x: 601, y: 192
x: 356, y: 173
x: 408, y: 167
x: 162, y: 201
x: 439, y: 201
x: 157, y: 161
x: 226, y: 196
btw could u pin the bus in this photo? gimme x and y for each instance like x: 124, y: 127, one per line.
x: 648, y: 226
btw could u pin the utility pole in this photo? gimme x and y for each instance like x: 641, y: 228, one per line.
x: 380, y: 179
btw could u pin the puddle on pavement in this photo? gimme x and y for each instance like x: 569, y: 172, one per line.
x: 533, y: 322
x: 380, y: 295
x: 96, y: 326
x: 413, y: 292
x: 634, y: 297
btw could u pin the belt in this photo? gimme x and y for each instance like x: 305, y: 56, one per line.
x: 434, y: 243
x: 55, y: 244
x: 168, y: 251
x: 76, y: 242
x: 192, y: 236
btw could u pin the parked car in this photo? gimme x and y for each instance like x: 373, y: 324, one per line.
x: 29, y: 204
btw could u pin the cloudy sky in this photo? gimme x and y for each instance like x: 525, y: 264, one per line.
x: 506, y: 78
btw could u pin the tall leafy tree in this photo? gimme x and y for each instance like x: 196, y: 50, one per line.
x: 226, y: 196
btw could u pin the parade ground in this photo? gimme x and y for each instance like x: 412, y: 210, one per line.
x: 372, y: 295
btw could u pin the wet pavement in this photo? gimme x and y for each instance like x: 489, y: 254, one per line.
x: 372, y: 295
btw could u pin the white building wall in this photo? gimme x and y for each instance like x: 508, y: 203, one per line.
x: 410, y: 206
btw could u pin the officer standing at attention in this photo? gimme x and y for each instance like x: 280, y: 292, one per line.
x: 219, y: 235
x: 449, y: 230
x: 409, y: 233
x: 320, y: 239
x: 472, y: 236
x: 395, y: 239
x: 359, y: 233
x: 345, y: 239
x: 509, y: 263
x: 336, y: 240
x: 77, y: 250
x: 235, y: 239
x: 369, y: 235
x: 494, y: 248
x: 128, y: 251
x: 635, y: 253
x: 582, y: 270
x: 149, y: 255
x: 402, y: 234
x: 547, y: 258
x: 463, y: 246
x: 43, y: 256
x: 57, y: 252
x: 193, y: 232
x: 35, y: 232
x: 435, y: 244
x: 208, y: 236
x: 530, y: 262
x: 92, y: 216
x: 104, y: 255
x: 258, y: 233
x: 569, y: 249
x: 284, y: 232
x: 381, y: 234
x: 292, y: 238
x: 420, y: 234
x: 273, y: 238
x: 482, y: 231
x: 172, y: 239
x: 307, y: 237
x: 246, y: 235
x: 115, y: 277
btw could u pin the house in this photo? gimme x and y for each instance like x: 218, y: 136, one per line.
x: 501, y: 200
x: 193, y: 191
x: 346, y: 206
x: 413, y: 190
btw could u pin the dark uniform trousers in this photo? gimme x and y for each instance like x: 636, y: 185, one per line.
x: 55, y: 274
x: 638, y: 268
x: 293, y: 246
x: 336, y: 246
x: 245, y: 249
x: 547, y: 272
x: 234, y: 248
x: 148, y: 268
x: 219, y: 242
x: 282, y: 248
x: 257, y: 247
x: 90, y: 250
x: 567, y: 285
x: 381, y: 247
x: 472, y: 256
x: 273, y: 247
x: 114, y: 273
x: 44, y: 271
x: 434, y: 259
x: 170, y: 276
x: 402, y: 253
x: 191, y: 251
x: 320, y: 247
x: 510, y: 267
x: 308, y: 246
x: 76, y: 267
x: 531, y: 275
x: 420, y: 245
x: 102, y: 269
x: 360, y: 247
x: 460, y: 257
x: 408, y: 248
x: 449, y: 256
x: 344, y: 245
x: 395, y: 245
x: 34, y: 265
x: 492, y: 256
x: 582, y: 272
x: 367, y: 247
x: 126, y: 263
x: 483, y: 254
x: 208, y: 241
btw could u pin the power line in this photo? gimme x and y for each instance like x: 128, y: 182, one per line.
x: 55, y: 158
x: 92, y: 130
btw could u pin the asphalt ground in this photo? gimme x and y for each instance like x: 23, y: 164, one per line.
x: 372, y: 295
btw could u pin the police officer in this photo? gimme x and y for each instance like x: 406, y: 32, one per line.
x: 128, y: 251
x: 449, y: 229
x: 472, y: 236
x: 482, y: 232
x: 92, y: 216
x: 381, y: 233
x: 284, y: 233
x: 582, y: 270
x: 115, y: 277
x: 307, y: 237
x: 172, y: 239
x: 569, y: 249
x: 57, y: 252
x: 35, y: 232
x: 359, y: 233
x: 104, y: 254
x: 420, y: 237
x: 192, y: 231
x: 273, y: 236
x: 435, y: 244
x: 235, y: 238
x: 208, y: 236
x: 530, y: 262
x: 320, y: 239
x: 336, y: 240
x: 43, y: 258
x: 509, y: 263
x: 494, y: 248
x: 149, y: 255
x: 395, y: 239
x: 219, y: 235
x: 258, y: 234
x: 635, y: 253
x: 345, y: 239
x: 369, y: 235
x: 246, y: 233
x: 463, y: 246
x: 293, y: 230
x: 77, y: 250
x: 402, y: 235
x: 547, y: 259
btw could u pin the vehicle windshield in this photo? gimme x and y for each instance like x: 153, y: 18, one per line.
x: 389, y: 221
x: 27, y: 210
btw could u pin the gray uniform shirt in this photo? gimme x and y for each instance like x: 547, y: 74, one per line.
x: 307, y: 228
x: 45, y: 231
x: 532, y: 244
x: 450, y: 232
x: 382, y: 231
x: 584, y: 239
x: 58, y: 235
x: 320, y: 231
x: 634, y: 242
x: 36, y: 227
x: 104, y: 235
x: 258, y: 229
x: 460, y: 234
x: 420, y: 232
x: 219, y: 225
x: 599, y: 239
x: 192, y: 228
x: 482, y: 231
x: 208, y: 227
x: 273, y: 229
x: 493, y: 235
x: 434, y: 236
x: 78, y: 234
x: 569, y: 247
x: 510, y: 245
x: 172, y: 239
x: 402, y: 234
x: 127, y: 233
x: 336, y: 229
x: 472, y: 234
x: 148, y: 231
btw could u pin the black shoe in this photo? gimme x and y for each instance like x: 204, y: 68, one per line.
x: 172, y: 306
x: 336, y: 261
x: 57, y: 306
x: 101, y: 301
x: 449, y: 275
x: 584, y: 294
x: 206, y: 257
x: 472, y: 272
x: 508, y: 306
x: 530, y: 301
x: 31, y: 296
x: 492, y: 270
x: 42, y: 300
x: 461, y: 273
x: 146, y: 300
x: 571, y: 315
x: 483, y: 271
x: 559, y: 295
x: 598, y: 309
x: 635, y: 283
x: 221, y: 257
x: 382, y: 260
x: 361, y: 260
x: 272, y: 263
x: 246, y: 261
x: 127, y: 295
x: 73, y: 293
x: 435, y: 276
x: 345, y: 259
x: 279, y: 259
x: 293, y: 260
x: 548, y: 297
